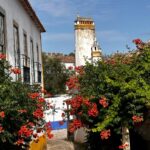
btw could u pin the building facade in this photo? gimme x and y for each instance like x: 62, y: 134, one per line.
x: 67, y: 60
x: 86, y: 46
x: 20, y: 39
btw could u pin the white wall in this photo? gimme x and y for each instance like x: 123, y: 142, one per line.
x: 67, y: 65
x: 59, y: 103
x: 15, y: 12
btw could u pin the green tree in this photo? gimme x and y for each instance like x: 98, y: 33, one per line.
x: 21, y: 109
x: 55, y: 75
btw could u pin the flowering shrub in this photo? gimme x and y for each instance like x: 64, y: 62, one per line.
x: 113, y: 94
x: 21, y: 110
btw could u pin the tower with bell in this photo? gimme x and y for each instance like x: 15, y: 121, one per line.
x: 86, y: 45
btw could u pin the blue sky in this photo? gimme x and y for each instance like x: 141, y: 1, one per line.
x: 118, y: 22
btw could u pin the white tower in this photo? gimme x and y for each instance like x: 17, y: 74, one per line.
x: 96, y: 52
x: 86, y: 46
x: 84, y: 39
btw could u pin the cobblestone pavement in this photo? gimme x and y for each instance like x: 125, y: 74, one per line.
x: 59, y: 142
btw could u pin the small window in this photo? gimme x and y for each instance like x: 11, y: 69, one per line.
x: 32, y: 60
x: 25, y: 44
x: 16, y: 46
x: 37, y: 51
x: 2, y: 33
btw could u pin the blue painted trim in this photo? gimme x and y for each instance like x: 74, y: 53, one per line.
x: 56, y: 126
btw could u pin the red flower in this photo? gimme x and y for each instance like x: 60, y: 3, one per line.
x: 105, y: 134
x: 1, y: 129
x: 19, y: 142
x: 24, y: 131
x: 2, y: 114
x: 49, y: 133
x: 72, y: 83
x: 86, y: 102
x: 31, y: 124
x: 137, y: 41
x: 41, y: 100
x: 75, y: 125
x: 68, y: 102
x: 16, y: 70
x: 137, y: 119
x: 63, y: 115
x: 103, y: 102
x: 38, y: 113
x: 123, y: 146
x: 76, y: 101
x: 70, y: 67
x: 93, y: 110
x: 71, y: 128
x: 2, y: 56
x: 33, y: 95
x: 79, y: 69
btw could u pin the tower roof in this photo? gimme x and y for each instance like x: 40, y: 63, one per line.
x: 84, y: 23
x: 84, y: 19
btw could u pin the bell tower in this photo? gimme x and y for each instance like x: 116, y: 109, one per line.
x: 84, y: 40
x: 96, y: 52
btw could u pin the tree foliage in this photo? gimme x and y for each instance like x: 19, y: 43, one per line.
x: 113, y: 93
x: 55, y: 75
x: 21, y: 109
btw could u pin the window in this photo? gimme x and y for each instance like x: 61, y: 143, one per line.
x: 32, y: 60
x: 25, y: 44
x: 2, y: 33
x: 37, y: 51
x: 26, y: 60
x: 16, y: 46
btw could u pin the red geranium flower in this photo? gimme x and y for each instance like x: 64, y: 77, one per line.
x: 38, y: 113
x: 24, y: 131
x: 93, y: 110
x: 33, y: 95
x: 70, y: 67
x: 137, y: 41
x: 1, y: 129
x: 137, y: 119
x: 105, y: 134
x: 19, y: 142
x: 2, y: 56
x: 103, y: 102
x: 41, y: 100
x: 16, y: 70
x: 2, y: 114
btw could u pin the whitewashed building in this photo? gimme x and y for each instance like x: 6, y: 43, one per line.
x: 86, y: 46
x: 20, y: 38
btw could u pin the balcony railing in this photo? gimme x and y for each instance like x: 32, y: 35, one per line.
x: 25, y: 61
